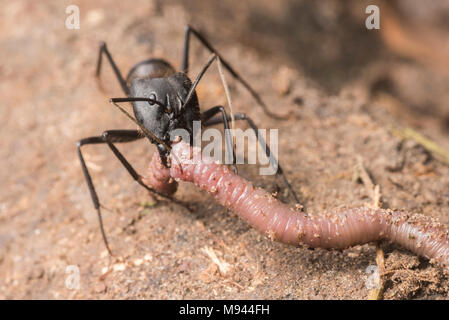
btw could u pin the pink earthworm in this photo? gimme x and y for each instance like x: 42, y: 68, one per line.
x: 158, y: 177
x: 336, y: 229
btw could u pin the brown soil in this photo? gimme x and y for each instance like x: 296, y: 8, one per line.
x: 342, y: 106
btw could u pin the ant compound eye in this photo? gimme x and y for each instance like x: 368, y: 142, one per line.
x: 152, y: 97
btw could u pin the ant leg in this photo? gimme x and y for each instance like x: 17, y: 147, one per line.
x: 185, y: 66
x: 208, y: 114
x: 104, y: 50
x: 109, y: 137
x: 273, y: 161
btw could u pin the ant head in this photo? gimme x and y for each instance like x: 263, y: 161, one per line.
x: 167, y: 112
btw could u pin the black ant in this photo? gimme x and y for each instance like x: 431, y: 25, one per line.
x: 164, y: 100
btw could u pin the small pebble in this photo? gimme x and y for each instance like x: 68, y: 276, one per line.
x: 138, y: 262
x: 119, y: 267
x: 283, y: 80
x: 100, y: 287
x: 94, y: 17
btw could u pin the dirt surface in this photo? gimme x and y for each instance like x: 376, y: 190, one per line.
x: 342, y: 110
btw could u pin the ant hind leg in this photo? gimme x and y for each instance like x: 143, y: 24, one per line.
x: 185, y: 67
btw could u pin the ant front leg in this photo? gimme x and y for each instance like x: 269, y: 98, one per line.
x: 109, y: 137
x: 104, y: 50
x: 185, y: 67
x: 273, y: 161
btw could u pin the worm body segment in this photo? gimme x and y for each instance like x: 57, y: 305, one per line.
x: 336, y: 229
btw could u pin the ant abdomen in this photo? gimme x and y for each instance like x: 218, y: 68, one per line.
x: 151, y: 68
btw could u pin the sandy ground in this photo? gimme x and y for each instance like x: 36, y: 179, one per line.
x: 50, y: 99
